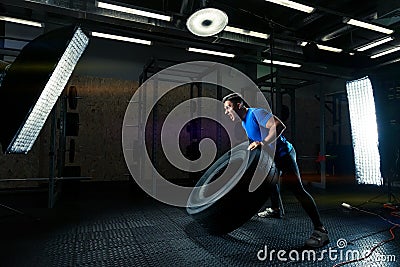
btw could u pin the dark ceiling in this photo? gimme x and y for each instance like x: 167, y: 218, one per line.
x: 288, y: 27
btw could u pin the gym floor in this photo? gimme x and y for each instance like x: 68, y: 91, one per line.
x: 116, y: 224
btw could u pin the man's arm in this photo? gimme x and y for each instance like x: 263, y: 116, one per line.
x: 275, y: 129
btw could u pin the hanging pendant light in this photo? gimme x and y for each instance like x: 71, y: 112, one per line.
x: 207, y: 22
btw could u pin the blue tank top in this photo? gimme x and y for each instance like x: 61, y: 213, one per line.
x: 254, y: 125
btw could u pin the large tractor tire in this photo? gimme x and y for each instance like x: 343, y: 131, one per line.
x: 228, y: 207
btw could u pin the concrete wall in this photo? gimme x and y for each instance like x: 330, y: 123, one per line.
x: 101, y: 111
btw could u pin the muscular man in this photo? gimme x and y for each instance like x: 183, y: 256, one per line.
x: 261, y: 128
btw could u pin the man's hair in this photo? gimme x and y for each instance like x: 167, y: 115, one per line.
x: 235, y: 98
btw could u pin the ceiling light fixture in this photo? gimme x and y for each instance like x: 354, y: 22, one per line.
x: 210, y: 52
x: 133, y: 11
x: 22, y: 21
x: 120, y: 38
x: 329, y: 48
x: 389, y: 51
x: 375, y: 43
x: 207, y: 22
x: 368, y: 26
x: 294, y: 5
x: 325, y: 47
x: 282, y: 63
x: 246, y: 32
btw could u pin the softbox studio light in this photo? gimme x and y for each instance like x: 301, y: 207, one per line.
x: 364, y: 131
x: 33, y: 83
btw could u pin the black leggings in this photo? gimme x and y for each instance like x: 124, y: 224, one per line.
x: 291, y: 179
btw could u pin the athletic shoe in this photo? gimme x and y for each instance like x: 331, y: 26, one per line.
x: 317, y: 239
x: 268, y: 212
